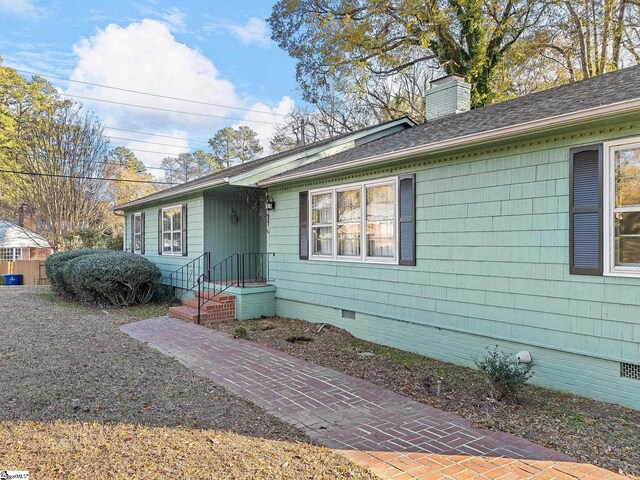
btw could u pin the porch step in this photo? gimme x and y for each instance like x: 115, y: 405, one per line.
x: 220, y: 298
x: 210, y: 306
x: 218, y: 309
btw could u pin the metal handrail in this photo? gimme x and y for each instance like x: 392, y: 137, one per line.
x: 237, y: 269
x: 187, y: 277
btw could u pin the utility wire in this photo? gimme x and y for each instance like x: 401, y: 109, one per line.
x: 151, y: 151
x: 144, y: 141
x: 168, y: 110
x: 80, y: 177
x: 152, y: 94
x: 116, y: 164
x: 157, y: 135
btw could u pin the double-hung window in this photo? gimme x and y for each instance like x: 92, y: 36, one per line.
x: 622, y: 207
x: 172, y: 231
x: 356, y: 222
x: 137, y: 233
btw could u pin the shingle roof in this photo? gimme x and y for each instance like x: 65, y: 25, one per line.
x: 239, y: 169
x: 13, y: 235
x: 599, y: 91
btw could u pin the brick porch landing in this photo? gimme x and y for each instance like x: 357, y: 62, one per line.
x: 390, y: 434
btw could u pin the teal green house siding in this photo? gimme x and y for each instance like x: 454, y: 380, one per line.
x: 492, y: 244
x: 233, y: 223
x: 195, y: 230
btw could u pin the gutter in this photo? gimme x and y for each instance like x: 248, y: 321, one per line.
x: 304, y: 154
x: 559, y: 120
x: 173, y: 193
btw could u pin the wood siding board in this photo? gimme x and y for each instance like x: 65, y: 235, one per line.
x: 493, y: 261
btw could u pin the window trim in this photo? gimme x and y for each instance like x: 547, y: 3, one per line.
x: 14, y: 257
x: 139, y: 234
x: 172, y: 231
x: 610, y: 268
x: 363, y: 258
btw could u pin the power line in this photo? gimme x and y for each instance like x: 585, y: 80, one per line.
x: 157, y: 135
x: 145, y: 141
x: 168, y: 110
x: 152, y: 94
x: 80, y: 177
x: 151, y: 151
x: 116, y: 164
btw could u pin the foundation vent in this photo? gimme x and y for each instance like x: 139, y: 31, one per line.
x: 350, y: 314
x: 627, y: 370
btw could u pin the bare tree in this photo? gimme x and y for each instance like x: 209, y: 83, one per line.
x: 66, y: 152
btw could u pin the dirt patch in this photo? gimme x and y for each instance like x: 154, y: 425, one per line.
x: 80, y: 399
x: 595, y: 432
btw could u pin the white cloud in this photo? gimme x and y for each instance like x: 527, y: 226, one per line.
x: 255, y: 32
x: 276, y: 114
x: 24, y: 8
x: 145, y: 57
x: 173, y: 17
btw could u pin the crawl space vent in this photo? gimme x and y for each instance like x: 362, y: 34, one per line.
x: 350, y: 314
x: 629, y: 370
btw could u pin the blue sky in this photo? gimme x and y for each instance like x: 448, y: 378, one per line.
x: 216, y: 52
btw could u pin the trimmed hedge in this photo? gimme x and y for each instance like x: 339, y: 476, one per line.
x: 55, y: 265
x: 103, y: 277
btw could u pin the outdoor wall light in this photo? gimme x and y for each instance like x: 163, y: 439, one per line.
x: 269, y: 204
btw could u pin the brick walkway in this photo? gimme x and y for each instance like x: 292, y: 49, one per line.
x: 392, y: 435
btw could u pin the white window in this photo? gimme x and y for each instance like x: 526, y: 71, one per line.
x: 172, y: 231
x: 10, y: 254
x: 137, y: 233
x: 622, y: 207
x: 356, y: 222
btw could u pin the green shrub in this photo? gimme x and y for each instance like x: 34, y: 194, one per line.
x: 113, y: 278
x: 164, y: 294
x: 504, y: 373
x: 1, y: 280
x: 55, y: 266
x: 240, y: 332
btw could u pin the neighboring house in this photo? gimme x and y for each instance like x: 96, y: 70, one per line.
x: 516, y: 224
x: 19, y: 241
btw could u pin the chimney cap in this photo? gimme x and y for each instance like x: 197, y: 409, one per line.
x: 447, y: 78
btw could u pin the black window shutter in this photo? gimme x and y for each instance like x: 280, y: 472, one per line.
x: 159, y: 231
x: 142, y: 239
x: 133, y: 233
x: 184, y: 230
x: 585, y: 210
x: 303, y: 226
x: 407, y: 219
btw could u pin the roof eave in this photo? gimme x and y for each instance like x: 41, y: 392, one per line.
x: 241, y: 176
x: 628, y: 106
x: 172, y: 194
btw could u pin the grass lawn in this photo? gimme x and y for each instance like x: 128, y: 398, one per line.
x: 82, y: 400
x: 72, y: 450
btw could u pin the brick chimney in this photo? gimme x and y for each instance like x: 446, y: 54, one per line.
x: 447, y: 95
x: 25, y: 217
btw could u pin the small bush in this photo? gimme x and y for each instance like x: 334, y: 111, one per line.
x: 114, y: 278
x: 240, y: 332
x: 1, y: 280
x: 55, y: 267
x: 505, y: 374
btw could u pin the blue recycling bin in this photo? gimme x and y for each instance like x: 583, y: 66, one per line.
x: 10, y: 279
